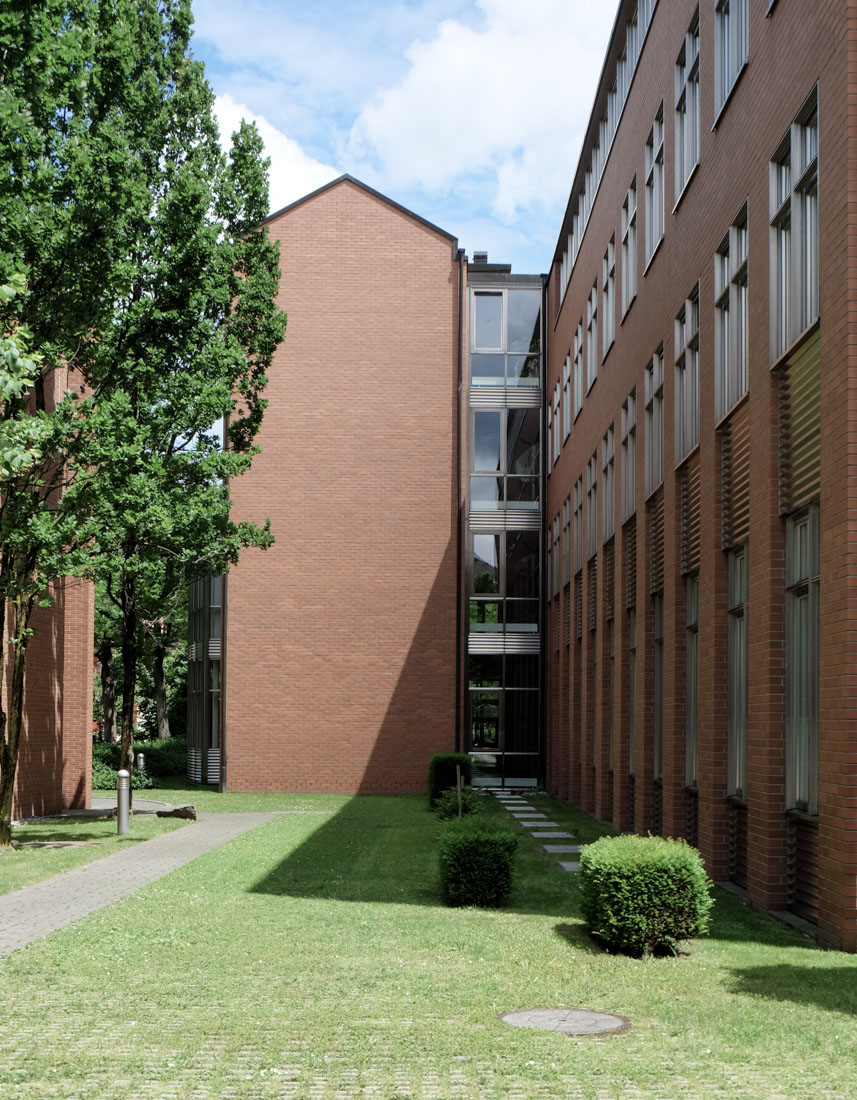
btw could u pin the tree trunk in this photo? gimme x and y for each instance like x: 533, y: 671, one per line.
x: 7, y: 762
x: 160, y: 692
x: 129, y: 673
x: 11, y: 724
x: 108, y: 693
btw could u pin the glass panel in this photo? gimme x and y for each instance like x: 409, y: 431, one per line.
x: 522, y: 491
x: 522, y: 672
x: 522, y: 370
x: 522, y: 721
x: 485, y: 617
x: 522, y: 564
x: 485, y: 720
x: 522, y: 616
x: 487, y: 769
x: 521, y: 767
x: 523, y: 325
x: 486, y: 563
x: 486, y: 370
x: 522, y: 441
x: 489, y: 321
x: 486, y: 441
x: 216, y: 591
x: 485, y: 671
x: 486, y: 493
x: 214, y: 626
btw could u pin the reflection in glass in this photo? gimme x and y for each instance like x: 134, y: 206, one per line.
x: 522, y: 616
x: 486, y: 441
x: 484, y: 671
x: 522, y: 441
x: 485, y: 719
x: 522, y: 672
x: 522, y: 326
x: 486, y: 493
x: 486, y: 370
x: 486, y: 616
x: 522, y: 564
x: 486, y: 563
x: 522, y: 370
x: 522, y: 492
x: 525, y: 768
x: 487, y: 768
x: 489, y: 321
x: 522, y: 721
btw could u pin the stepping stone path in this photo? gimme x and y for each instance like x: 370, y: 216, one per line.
x: 530, y: 818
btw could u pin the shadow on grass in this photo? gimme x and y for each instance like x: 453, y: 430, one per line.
x: 384, y: 849
x: 833, y: 988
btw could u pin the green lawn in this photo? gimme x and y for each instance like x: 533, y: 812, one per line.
x: 311, y: 958
x: 29, y: 862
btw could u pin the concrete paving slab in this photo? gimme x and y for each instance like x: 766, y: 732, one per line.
x: 539, y: 824
x: 561, y: 849
x: 558, y: 835
x: 564, y: 866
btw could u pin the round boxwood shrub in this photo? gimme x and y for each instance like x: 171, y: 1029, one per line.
x: 442, y: 772
x: 476, y: 856
x: 446, y: 806
x: 644, y: 894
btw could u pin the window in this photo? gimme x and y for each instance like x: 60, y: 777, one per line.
x: 550, y: 431
x: 505, y: 464
x: 566, y: 397
x: 566, y: 540
x: 730, y: 317
x: 629, y: 247
x: 687, y: 106
x: 592, y: 337
x: 731, y: 38
x: 802, y: 662
x: 629, y: 456
x: 655, y: 185
x: 556, y: 557
x: 736, y: 672
x: 794, y: 229
x: 505, y: 334
x: 488, y: 321
x: 578, y: 524
x: 557, y: 442
x: 655, y: 421
x: 592, y: 507
x: 658, y: 685
x: 691, y: 681
x: 632, y: 690
x: 608, y: 296
x: 608, y: 492
x: 687, y: 376
x: 578, y: 370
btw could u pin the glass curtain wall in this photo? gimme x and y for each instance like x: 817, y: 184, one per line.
x: 503, y: 556
x: 205, y: 631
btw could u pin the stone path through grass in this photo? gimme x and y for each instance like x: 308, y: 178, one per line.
x: 531, y: 818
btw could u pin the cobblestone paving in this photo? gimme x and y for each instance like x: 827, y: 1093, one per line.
x: 35, y: 911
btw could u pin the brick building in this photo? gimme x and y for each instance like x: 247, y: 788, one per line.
x: 702, y: 451
x: 685, y: 661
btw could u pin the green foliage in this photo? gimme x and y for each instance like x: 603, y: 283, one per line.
x: 640, y: 895
x: 163, y: 758
x: 476, y: 856
x: 442, y: 772
x: 446, y: 805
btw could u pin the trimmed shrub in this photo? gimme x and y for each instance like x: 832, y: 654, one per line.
x: 167, y: 757
x: 442, y: 772
x: 446, y: 806
x: 476, y: 861
x: 643, y: 894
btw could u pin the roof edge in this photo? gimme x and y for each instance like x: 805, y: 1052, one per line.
x: 346, y: 178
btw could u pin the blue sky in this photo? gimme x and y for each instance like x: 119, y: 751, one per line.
x: 469, y: 112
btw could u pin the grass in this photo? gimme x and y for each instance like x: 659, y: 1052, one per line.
x: 311, y: 958
x: 178, y: 792
x: 29, y: 863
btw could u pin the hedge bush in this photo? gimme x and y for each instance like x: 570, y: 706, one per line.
x: 442, y: 772
x: 476, y: 856
x: 642, y: 895
x: 446, y: 806
x: 167, y: 757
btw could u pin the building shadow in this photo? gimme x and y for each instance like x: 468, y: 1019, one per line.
x: 833, y: 988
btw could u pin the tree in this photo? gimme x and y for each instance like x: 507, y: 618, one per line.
x: 149, y: 274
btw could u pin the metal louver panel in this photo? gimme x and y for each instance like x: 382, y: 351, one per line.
x: 655, y: 516
x: 803, y: 869
x: 800, y: 426
x: 690, y: 505
x: 192, y: 651
x: 506, y: 519
x: 609, y: 580
x: 503, y: 397
x: 735, y: 478
x: 213, y: 773
x: 504, y: 643
x: 592, y: 599
x: 629, y: 559
x: 194, y: 765
x: 578, y: 606
x: 214, y: 649
x: 566, y: 605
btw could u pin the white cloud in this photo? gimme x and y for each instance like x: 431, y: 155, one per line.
x: 293, y: 172
x: 507, y: 101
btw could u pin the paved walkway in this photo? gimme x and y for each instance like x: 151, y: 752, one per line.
x: 35, y: 911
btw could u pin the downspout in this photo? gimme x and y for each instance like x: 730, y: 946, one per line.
x: 459, y: 556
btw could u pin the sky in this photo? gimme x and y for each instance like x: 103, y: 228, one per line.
x: 471, y: 113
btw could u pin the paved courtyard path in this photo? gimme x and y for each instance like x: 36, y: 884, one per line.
x: 35, y: 911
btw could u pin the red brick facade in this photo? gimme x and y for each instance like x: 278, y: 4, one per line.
x: 786, y: 858
x: 340, y: 658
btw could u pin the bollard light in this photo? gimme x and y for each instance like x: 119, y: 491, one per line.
x: 123, y: 801
x: 141, y: 762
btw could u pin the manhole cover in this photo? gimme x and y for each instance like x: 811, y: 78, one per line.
x: 567, y: 1021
